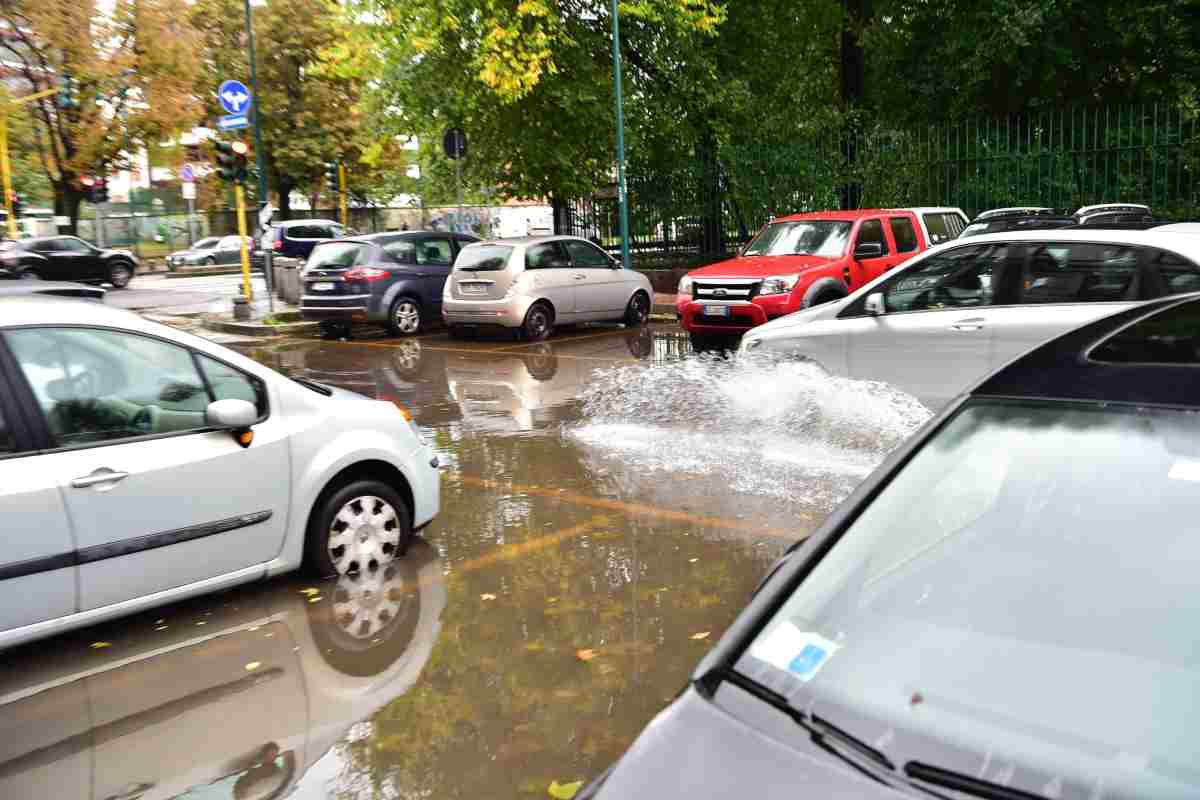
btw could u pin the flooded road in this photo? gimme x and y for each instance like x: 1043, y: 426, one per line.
x: 609, y: 503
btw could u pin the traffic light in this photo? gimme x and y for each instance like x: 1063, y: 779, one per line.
x: 68, y: 93
x: 231, y: 160
x: 332, y: 179
x: 100, y: 191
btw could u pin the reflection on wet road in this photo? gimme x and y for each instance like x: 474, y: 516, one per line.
x: 595, y: 539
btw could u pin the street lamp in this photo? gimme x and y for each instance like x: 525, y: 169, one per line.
x: 622, y: 194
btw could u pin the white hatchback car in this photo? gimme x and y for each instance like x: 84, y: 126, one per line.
x: 140, y: 465
x: 532, y: 284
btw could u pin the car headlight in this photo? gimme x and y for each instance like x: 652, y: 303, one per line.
x: 749, y: 344
x: 778, y: 284
x: 685, y: 285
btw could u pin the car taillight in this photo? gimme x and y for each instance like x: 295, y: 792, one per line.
x: 277, y: 244
x: 365, y: 274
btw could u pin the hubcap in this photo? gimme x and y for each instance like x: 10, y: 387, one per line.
x: 364, y: 536
x: 639, y: 308
x: 366, y: 602
x: 407, y: 317
x: 120, y: 276
x: 538, y: 322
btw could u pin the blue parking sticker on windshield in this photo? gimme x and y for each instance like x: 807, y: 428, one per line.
x: 800, y: 653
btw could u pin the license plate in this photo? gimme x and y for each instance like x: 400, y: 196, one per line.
x: 322, y: 286
x: 716, y: 311
x: 472, y: 288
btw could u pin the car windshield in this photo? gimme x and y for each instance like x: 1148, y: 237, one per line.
x: 811, y: 238
x: 1025, y: 585
x: 337, y: 255
x: 483, y: 258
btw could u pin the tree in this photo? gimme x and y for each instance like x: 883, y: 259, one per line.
x: 309, y: 84
x: 131, y: 65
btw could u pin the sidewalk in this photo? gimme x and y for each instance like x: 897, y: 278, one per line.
x: 664, y: 307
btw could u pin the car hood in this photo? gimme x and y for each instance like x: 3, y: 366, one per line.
x: 696, y: 750
x: 57, y: 288
x: 759, y: 266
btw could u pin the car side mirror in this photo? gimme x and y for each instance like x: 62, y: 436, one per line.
x: 874, y: 304
x: 233, y: 415
x: 868, y: 250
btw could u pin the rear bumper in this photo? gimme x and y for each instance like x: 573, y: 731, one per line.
x: 335, y: 307
x: 508, y: 313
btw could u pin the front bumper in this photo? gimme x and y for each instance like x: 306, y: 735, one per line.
x: 742, y: 315
x: 509, y: 313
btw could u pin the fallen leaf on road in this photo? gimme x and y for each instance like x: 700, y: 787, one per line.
x: 101, y: 645
x: 487, y: 596
x: 585, y: 655
x: 701, y: 635
x: 315, y: 599
x: 310, y: 592
x: 253, y: 665
x: 693, y: 560
x: 564, y: 791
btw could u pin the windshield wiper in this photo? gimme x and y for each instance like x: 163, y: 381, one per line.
x: 965, y: 784
x: 319, y: 388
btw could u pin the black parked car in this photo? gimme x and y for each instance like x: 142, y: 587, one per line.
x: 1005, y: 609
x: 66, y: 258
x: 393, y: 278
x: 296, y: 238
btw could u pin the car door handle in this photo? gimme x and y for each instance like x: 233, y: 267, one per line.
x: 577, y: 276
x: 973, y: 324
x: 102, y: 475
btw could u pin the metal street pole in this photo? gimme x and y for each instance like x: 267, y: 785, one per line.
x: 7, y: 169
x: 258, y: 146
x: 621, y: 193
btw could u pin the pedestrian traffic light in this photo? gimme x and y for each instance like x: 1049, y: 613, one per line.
x: 231, y: 160
x: 332, y: 179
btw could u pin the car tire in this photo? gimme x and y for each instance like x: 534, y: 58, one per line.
x: 404, y: 317
x: 539, y: 322
x: 120, y: 273
x: 638, y: 310
x: 210, y: 262
x: 824, y: 290
x: 542, y: 363
x: 336, y: 546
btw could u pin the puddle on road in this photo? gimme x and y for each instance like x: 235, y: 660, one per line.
x: 771, y: 427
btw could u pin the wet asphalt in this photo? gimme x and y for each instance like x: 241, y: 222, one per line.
x: 560, y: 600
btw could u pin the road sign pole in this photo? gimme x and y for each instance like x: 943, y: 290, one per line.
x: 458, y: 183
x: 342, y: 195
x: 621, y: 192
x: 241, y: 217
x: 258, y: 145
x: 7, y: 169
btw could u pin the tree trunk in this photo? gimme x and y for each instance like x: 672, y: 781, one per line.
x: 712, y: 228
x: 67, y: 200
x: 854, y: 88
x: 285, y: 199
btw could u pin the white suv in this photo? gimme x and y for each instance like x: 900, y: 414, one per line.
x: 139, y: 465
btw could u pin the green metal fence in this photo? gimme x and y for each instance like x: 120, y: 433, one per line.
x: 1063, y: 159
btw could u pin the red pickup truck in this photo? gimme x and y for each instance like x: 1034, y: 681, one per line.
x: 803, y: 260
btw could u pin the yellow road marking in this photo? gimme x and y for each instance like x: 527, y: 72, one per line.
x: 639, y: 509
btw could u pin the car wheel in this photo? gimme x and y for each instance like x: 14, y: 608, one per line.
x: 210, y: 262
x: 29, y: 275
x: 360, y: 527
x: 539, y: 321
x: 542, y: 364
x: 825, y: 290
x: 119, y: 274
x: 404, y: 318
x: 366, y: 620
x: 638, y: 310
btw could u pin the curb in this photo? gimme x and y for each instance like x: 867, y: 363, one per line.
x: 208, y: 273
x: 259, y: 329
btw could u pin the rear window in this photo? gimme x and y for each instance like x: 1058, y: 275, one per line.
x: 1169, y: 337
x: 337, y: 255
x: 943, y: 226
x: 483, y: 258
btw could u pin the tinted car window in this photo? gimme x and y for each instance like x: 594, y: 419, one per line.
x: 102, y: 386
x: 337, y: 255
x: 1079, y: 272
x: 403, y: 251
x: 871, y: 232
x: 587, y: 255
x: 904, y: 233
x: 229, y: 243
x: 483, y: 258
x: 1178, y: 274
x: 308, y: 232
x: 435, y: 251
x: 960, y: 278
x: 7, y: 445
x: 228, y: 383
x: 943, y: 226
x: 206, y: 244
x: 549, y: 255
x: 47, y: 246
x: 73, y: 246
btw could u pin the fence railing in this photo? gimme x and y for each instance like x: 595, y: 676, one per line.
x: 1062, y: 159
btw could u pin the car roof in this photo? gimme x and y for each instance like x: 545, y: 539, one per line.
x: 532, y: 240
x: 846, y: 216
x: 1015, y: 211
x: 1185, y: 244
x: 1080, y: 366
x: 16, y: 310
x: 291, y: 223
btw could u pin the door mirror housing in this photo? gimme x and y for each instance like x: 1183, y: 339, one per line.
x: 868, y: 250
x: 231, y: 414
x: 874, y: 304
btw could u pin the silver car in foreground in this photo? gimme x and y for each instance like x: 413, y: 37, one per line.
x: 536, y: 283
x: 140, y: 465
x: 959, y: 311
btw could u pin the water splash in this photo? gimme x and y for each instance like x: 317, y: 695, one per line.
x: 759, y: 424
